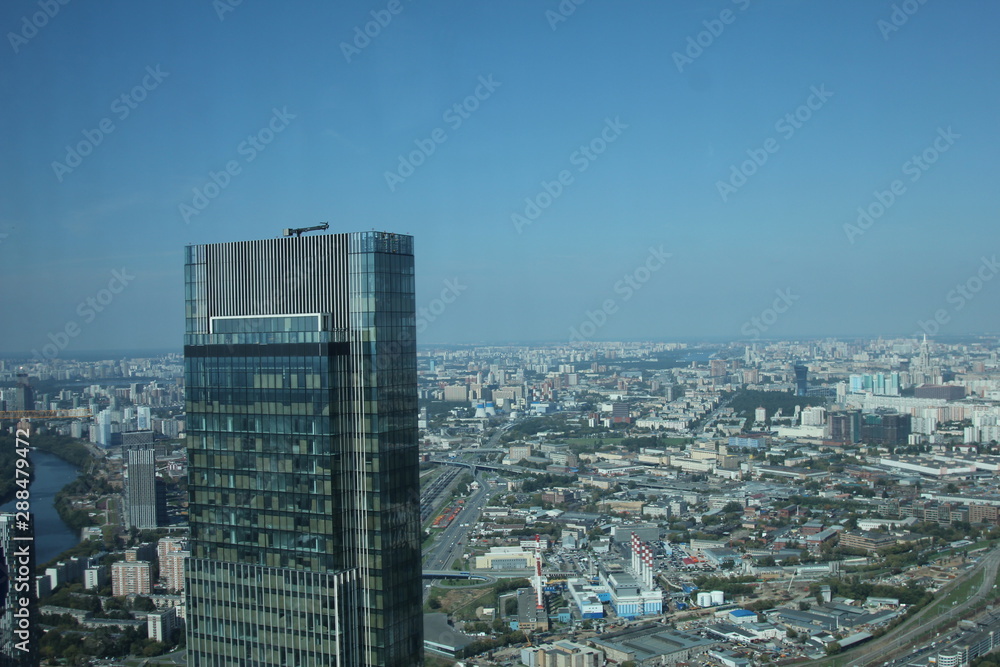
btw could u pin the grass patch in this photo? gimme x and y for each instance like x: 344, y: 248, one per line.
x: 958, y: 594
x: 458, y: 601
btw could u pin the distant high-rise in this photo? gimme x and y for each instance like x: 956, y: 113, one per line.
x: 136, y: 439
x: 145, y: 501
x: 131, y: 578
x: 300, y: 374
x: 144, y: 421
x: 23, y: 394
x: 886, y: 429
x: 102, y: 422
x: 801, y: 379
x: 845, y: 426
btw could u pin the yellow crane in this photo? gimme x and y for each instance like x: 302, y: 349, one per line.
x: 45, y: 414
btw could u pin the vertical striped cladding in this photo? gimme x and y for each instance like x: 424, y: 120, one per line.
x: 262, y: 616
x: 278, y: 276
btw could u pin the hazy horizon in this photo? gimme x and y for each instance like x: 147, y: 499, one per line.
x: 642, y: 171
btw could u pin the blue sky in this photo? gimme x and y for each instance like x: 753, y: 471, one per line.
x: 199, y: 81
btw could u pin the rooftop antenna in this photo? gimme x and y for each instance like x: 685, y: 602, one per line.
x: 298, y: 231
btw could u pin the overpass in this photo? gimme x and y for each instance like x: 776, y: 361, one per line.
x: 490, y: 466
x: 456, y: 574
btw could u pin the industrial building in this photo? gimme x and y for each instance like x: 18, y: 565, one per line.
x: 562, y: 654
x: 530, y: 616
x: 652, y: 642
x: 588, y: 598
x: 443, y: 639
x: 506, y: 558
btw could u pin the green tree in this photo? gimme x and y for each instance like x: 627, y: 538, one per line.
x: 143, y: 603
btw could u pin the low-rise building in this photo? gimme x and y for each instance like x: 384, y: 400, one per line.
x: 506, y: 558
x: 588, y: 598
x: 530, y: 618
x: 653, y: 642
x: 869, y: 541
x: 562, y: 654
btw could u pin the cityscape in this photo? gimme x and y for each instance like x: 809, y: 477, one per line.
x: 532, y: 333
x: 615, y: 502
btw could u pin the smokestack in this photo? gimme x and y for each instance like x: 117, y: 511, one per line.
x: 538, y: 574
x: 635, y: 553
x: 648, y: 570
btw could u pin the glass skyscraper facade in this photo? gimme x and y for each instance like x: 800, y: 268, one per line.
x: 300, y: 372
x: 19, y: 628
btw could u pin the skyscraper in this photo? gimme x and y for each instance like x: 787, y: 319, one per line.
x: 24, y: 394
x: 102, y: 422
x: 801, y: 379
x: 300, y: 371
x: 145, y: 496
x: 144, y: 418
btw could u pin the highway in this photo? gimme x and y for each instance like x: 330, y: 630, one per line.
x: 429, y: 495
x: 451, y: 541
x: 880, y: 650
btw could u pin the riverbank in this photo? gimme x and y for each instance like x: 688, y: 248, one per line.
x: 76, y: 454
x: 52, y: 535
x: 57, y: 464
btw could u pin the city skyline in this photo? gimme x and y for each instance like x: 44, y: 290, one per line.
x: 737, y: 170
x: 545, y: 462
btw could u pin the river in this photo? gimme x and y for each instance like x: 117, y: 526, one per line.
x: 52, y: 536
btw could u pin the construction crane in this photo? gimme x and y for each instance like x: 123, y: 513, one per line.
x: 299, y: 231
x: 44, y: 414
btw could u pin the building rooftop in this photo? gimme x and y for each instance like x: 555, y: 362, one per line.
x: 650, y: 641
x: 441, y: 637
